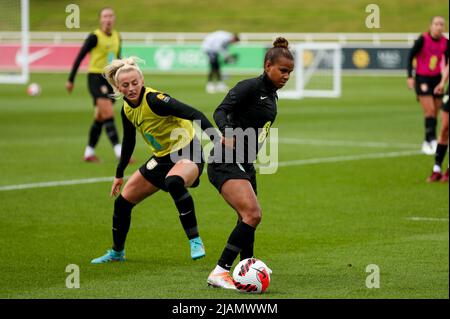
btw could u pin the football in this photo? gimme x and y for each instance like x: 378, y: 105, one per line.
x: 251, y: 275
x: 34, y: 89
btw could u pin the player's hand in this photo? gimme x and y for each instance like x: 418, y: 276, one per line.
x: 69, y: 86
x: 228, y: 142
x: 117, y: 184
x: 411, y: 83
x: 231, y: 59
x: 439, y: 89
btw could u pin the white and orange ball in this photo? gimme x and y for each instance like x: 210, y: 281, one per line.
x: 251, y: 275
x: 34, y: 89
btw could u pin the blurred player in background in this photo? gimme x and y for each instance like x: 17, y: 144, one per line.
x: 429, y: 51
x: 104, y: 45
x: 441, y: 149
x: 215, y: 45
x: 177, y: 160
x: 251, y: 106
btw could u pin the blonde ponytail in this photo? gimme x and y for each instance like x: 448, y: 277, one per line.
x: 111, y: 71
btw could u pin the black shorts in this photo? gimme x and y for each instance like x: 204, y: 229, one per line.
x: 99, y: 87
x: 213, y: 60
x: 425, y: 85
x: 219, y: 173
x: 156, y: 168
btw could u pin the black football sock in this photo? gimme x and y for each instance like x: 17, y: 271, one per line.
x: 243, y: 235
x: 184, y: 203
x: 433, y: 128
x: 111, y: 131
x: 94, y: 133
x: 247, y: 252
x: 121, y: 222
x: 430, y: 128
x: 440, y: 154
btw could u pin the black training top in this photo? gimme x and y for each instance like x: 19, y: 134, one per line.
x: 250, y: 105
x: 166, y: 107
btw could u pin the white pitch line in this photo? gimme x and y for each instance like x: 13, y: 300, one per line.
x: 280, y: 164
x: 296, y: 141
x: 428, y: 219
x: 57, y: 183
x: 348, y: 158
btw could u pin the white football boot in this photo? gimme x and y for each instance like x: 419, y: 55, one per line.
x: 222, y: 280
x: 210, y: 88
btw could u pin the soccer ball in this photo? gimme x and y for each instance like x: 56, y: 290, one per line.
x: 252, y: 275
x: 34, y: 89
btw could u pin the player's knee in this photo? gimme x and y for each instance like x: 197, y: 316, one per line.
x: 253, y: 215
x: 98, y: 117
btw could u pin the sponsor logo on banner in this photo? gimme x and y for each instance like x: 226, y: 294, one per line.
x: 361, y: 59
x: 164, y: 58
x: 389, y: 59
x: 46, y: 57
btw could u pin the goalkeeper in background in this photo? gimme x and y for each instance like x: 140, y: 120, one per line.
x: 214, y: 45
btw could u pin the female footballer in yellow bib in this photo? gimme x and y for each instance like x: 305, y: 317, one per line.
x: 103, y: 45
x: 177, y: 162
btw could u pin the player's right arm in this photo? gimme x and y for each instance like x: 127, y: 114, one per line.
x: 223, y: 115
x: 418, y: 44
x: 128, y: 144
x: 88, y: 45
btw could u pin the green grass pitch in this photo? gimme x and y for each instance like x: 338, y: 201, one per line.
x: 266, y: 15
x: 324, y: 220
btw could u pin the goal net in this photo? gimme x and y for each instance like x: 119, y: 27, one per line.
x: 14, y: 27
x: 317, y: 71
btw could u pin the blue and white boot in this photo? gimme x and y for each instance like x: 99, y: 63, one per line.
x: 110, y: 256
x: 197, y: 248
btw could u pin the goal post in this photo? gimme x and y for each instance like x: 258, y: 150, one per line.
x: 317, y: 71
x: 14, y: 66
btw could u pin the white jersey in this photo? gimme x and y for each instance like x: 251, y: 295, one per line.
x: 217, y: 41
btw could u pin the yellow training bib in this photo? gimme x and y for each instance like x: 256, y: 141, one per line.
x: 164, y: 134
x: 105, y: 51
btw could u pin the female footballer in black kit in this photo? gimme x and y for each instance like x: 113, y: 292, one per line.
x: 250, y: 105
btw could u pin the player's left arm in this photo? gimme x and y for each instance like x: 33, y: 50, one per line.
x: 235, y: 97
x: 418, y: 45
